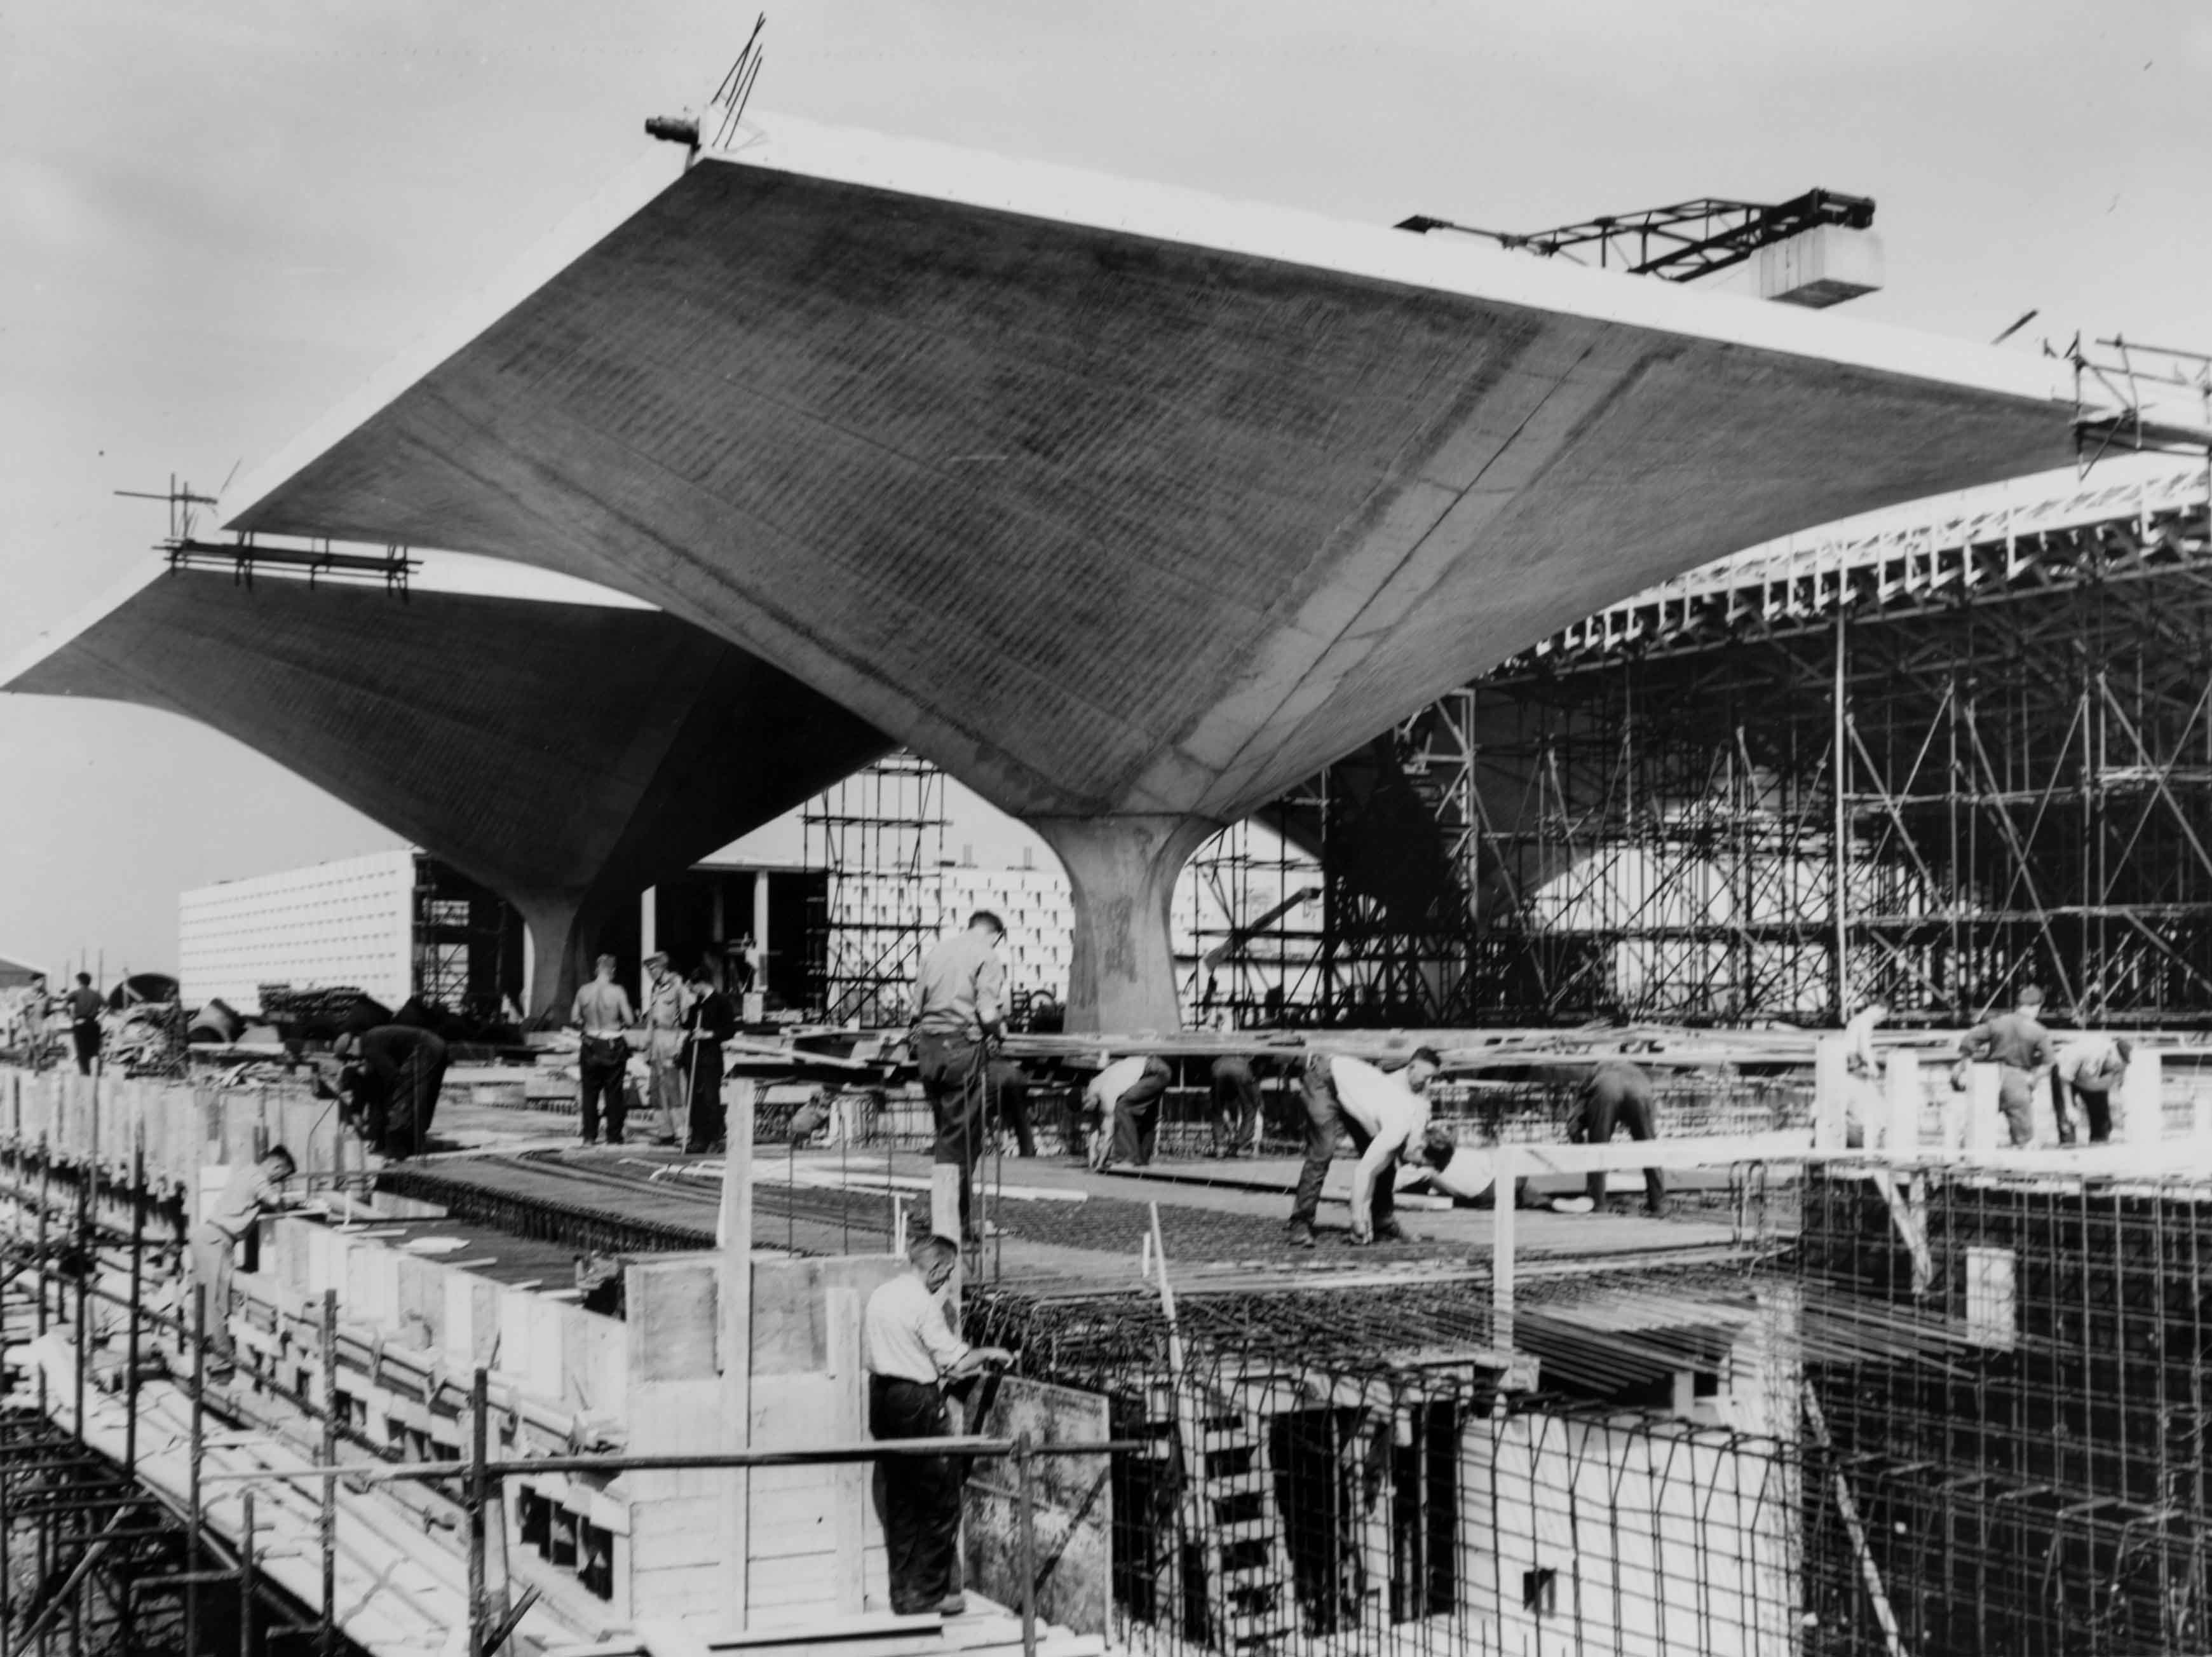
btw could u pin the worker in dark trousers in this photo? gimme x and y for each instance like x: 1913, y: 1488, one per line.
x: 2091, y: 1067
x: 1125, y: 1099
x: 1385, y: 1115
x: 1617, y: 1094
x: 391, y: 1079
x: 960, y: 1002
x: 912, y: 1354
x: 708, y: 1022
x: 602, y: 1011
x: 1009, y: 1090
x: 2019, y: 1045
x: 1236, y: 1107
x: 83, y: 1004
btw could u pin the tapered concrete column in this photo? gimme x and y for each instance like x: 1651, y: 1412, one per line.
x: 1123, y: 871
x: 561, y: 935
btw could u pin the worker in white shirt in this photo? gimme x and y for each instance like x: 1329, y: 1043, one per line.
x: 1125, y: 1098
x: 1387, y: 1119
x: 912, y: 1352
x: 1862, y: 1071
x: 253, y: 1189
x: 2091, y: 1067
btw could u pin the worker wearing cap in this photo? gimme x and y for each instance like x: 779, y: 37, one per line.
x: 960, y: 1002
x: 2092, y: 1068
x: 1386, y: 1116
x: 2019, y: 1045
x: 666, y: 1002
x: 1617, y: 1094
x: 1125, y: 1098
x: 912, y: 1354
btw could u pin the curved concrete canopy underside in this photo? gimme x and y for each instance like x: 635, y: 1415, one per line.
x: 565, y: 755
x: 1119, y: 502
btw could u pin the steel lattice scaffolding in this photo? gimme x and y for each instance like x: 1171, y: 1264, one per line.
x: 879, y: 836
x: 1933, y: 763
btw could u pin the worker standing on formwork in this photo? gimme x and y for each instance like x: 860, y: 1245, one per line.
x: 912, y: 1354
x: 666, y: 1002
x: 1124, y: 1099
x: 83, y: 1004
x: 2092, y: 1068
x: 251, y: 1189
x: 2019, y: 1045
x: 960, y: 1001
x: 1617, y: 1094
x: 602, y: 1011
x: 1386, y: 1117
x: 710, y: 1021
x: 1863, y: 1067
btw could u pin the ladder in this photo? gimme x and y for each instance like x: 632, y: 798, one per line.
x: 1235, y: 1525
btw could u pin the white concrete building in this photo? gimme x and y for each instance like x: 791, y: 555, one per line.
x: 349, y: 923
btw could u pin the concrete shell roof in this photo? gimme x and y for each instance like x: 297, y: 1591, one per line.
x: 1116, y: 498
x: 567, y: 753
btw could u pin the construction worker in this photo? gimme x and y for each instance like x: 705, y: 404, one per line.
x: 960, y: 1002
x: 912, y: 1354
x: 2019, y: 1045
x: 2091, y: 1067
x: 1617, y: 1095
x: 1386, y: 1117
x: 602, y: 1011
x: 666, y: 1002
x: 391, y: 1079
x: 1124, y: 1097
x: 1236, y: 1118
x: 83, y: 1006
x: 1009, y: 1089
x: 710, y: 1022
x: 1862, y: 1069
x: 251, y: 1189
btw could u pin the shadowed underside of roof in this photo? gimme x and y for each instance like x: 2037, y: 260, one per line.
x: 565, y: 755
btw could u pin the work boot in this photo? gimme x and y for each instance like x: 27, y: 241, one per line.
x: 953, y: 1605
x: 1302, y: 1234
x: 1391, y: 1232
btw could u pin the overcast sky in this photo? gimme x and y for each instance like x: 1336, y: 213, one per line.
x: 216, y: 218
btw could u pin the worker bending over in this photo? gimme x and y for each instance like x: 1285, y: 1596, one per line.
x: 390, y: 1080
x: 960, y: 999
x: 912, y: 1354
x: 2091, y: 1067
x: 1386, y: 1117
x: 2019, y: 1045
x: 1236, y: 1107
x: 1125, y: 1098
x: 1617, y: 1094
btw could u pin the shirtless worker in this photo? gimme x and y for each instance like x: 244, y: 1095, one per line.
x: 1386, y: 1117
x: 602, y: 1011
x: 2019, y: 1045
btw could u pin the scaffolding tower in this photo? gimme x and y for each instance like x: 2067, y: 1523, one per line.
x: 877, y: 837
